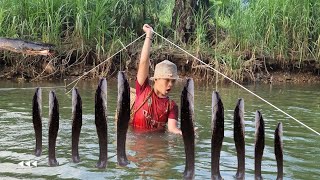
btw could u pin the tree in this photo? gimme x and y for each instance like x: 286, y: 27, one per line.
x: 183, y: 17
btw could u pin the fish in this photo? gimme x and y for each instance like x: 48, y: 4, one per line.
x: 101, y: 122
x: 76, y: 123
x: 217, y: 127
x: 123, y: 115
x: 53, y: 127
x: 36, y: 119
x: 187, y: 127
x: 238, y: 135
x: 259, y: 145
x: 278, y: 150
x: 26, y: 47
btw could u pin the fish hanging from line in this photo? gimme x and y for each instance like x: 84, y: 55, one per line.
x: 217, y: 128
x: 258, y: 144
x: 238, y: 136
x: 53, y: 127
x: 36, y: 120
x: 123, y: 117
x: 101, y: 122
x: 187, y: 127
x: 76, y: 124
x: 278, y: 150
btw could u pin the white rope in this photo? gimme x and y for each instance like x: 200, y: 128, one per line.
x: 78, y: 79
x: 237, y: 84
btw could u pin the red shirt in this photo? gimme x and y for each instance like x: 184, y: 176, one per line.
x: 154, y: 113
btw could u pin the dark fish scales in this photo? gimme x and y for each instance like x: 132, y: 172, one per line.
x: 217, y: 126
x: 76, y: 124
x: 101, y: 122
x: 123, y: 110
x: 53, y: 127
x: 259, y: 145
x: 278, y: 150
x: 36, y: 119
x: 187, y: 127
x: 238, y: 135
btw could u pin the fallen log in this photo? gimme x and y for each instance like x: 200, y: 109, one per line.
x: 26, y: 47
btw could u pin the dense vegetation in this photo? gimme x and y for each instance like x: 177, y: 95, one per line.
x: 237, y: 37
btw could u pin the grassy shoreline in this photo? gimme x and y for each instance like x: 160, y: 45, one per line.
x: 247, y: 38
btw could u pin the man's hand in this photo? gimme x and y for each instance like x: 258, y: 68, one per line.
x: 172, y: 127
x: 177, y: 131
x: 148, y: 30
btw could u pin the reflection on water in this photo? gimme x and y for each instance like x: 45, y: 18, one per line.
x: 160, y: 155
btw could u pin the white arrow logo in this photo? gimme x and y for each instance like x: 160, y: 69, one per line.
x: 35, y: 164
x: 28, y: 163
x: 21, y: 163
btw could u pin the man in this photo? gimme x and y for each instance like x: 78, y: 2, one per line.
x: 153, y: 109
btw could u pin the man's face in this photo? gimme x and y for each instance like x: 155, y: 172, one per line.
x: 164, y: 86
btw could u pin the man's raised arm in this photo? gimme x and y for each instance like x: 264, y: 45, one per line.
x: 143, y: 70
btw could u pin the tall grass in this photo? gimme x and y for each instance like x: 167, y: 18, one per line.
x: 281, y: 29
x: 89, y: 22
x: 79, y: 27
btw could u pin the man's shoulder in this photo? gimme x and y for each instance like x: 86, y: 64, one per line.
x: 144, y: 88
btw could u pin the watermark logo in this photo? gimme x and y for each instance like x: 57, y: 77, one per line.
x: 28, y: 163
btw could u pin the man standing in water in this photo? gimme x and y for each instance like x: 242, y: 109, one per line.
x: 153, y: 109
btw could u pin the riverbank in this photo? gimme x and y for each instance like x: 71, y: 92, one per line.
x: 198, y: 72
x: 247, y: 69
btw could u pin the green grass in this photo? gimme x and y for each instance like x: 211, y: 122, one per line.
x: 285, y: 29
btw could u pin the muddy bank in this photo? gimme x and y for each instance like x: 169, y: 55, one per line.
x: 70, y: 66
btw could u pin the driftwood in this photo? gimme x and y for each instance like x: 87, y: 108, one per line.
x: 26, y: 47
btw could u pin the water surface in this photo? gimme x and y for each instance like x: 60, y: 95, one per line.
x: 160, y: 155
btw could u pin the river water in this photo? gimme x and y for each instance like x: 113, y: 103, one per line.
x: 160, y: 155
